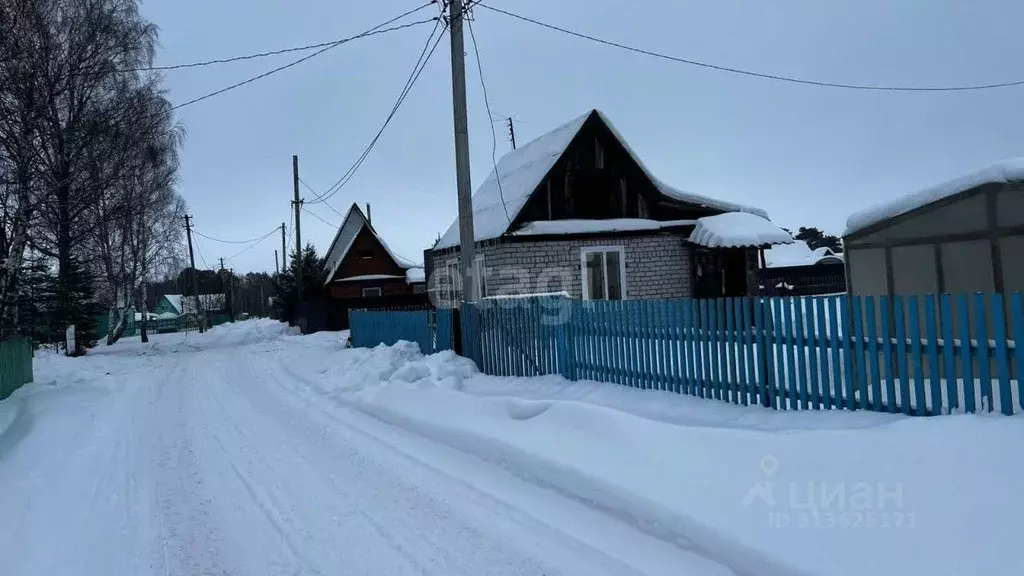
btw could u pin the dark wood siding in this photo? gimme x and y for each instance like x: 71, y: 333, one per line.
x: 388, y: 287
x: 367, y: 256
x: 597, y: 178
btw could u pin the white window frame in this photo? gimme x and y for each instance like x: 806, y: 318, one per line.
x: 380, y: 292
x: 479, y: 278
x: 604, y: 264
x: 454, y: 289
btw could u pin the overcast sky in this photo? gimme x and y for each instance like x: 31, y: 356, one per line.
x: 808, y: 155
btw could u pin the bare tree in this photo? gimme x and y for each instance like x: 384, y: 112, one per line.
x: 88, y: 152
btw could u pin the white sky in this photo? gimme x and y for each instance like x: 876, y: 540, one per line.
x: 808, y: 155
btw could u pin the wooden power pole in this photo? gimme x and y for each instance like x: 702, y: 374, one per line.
x: 284, y: 251
x: 276, y: 267
x: 462, y: 176
x: 195, y: 273
x: 298, y: 232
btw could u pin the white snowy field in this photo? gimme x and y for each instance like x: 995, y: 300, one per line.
x: 248, y: 450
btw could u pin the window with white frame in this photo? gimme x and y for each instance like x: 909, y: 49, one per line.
x: 479, y: 278
x: 453, y: 288
x: 372, y: 292
x: 603, y: 272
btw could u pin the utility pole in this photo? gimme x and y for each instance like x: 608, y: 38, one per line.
x: 231, y: 291
x: 298, y: 232
x: 512, y: 132
x: 195, y: 273
x: 276, y: 268
x: 222, y: 264
x: 284, y: 252
x: 462, y: 177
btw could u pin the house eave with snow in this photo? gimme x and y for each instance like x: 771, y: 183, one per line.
x: 579, y: 194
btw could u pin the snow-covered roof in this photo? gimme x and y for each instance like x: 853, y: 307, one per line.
x: 797, y: 254
x: 545, y: 227
x: 523, y: 169
x: 354, y: 222
x: 415, y: 275
x: 369, y: 277
x: 737, y: 230
x: 175, y: 301
x: 1010, y: 170
x: 166, y: 316
x: 209, y: 302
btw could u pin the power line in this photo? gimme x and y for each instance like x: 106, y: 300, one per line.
x: 196, y: 232
x: 494, y: 137
x: 370, y: 32
x: 762, y: 75
x: 271, y: 52
x: 315, y: 215
x: 250, y: 247
x: 200, y: 251
x: 421, y: 64
x: 325, y: 203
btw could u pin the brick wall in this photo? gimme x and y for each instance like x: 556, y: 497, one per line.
x: 657, y: 266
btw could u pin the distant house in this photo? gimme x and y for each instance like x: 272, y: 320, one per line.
x: 576, y: 210
x: 800, y: 254
x: 210, y: 303
x: 962, y: 236
x: 360, y: 265
x: 169, y: 304
x: 797, y: 270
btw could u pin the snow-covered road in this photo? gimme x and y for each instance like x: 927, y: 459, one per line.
x: 207, y: 455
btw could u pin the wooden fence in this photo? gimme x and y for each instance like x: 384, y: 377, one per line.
x: 15, y: 365
x: 918, y: 355
x: 432, y: 330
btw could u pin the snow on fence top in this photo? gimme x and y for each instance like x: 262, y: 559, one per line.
x: 1010, y: 170
x: 737, y: 230
x: 545, y: 227
x: 523, y: 169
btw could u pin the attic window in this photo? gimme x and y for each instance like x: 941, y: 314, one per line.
x: 366, y: 254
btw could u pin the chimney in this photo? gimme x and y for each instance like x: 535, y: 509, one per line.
x: 369, y: 219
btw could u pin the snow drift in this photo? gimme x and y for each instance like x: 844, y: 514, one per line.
x: 762, y: 492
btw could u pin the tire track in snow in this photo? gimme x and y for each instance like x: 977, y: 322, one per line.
x: 409, y: 525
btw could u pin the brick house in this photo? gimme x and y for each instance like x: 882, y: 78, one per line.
x: 577, y: 211
x: 361, y: 266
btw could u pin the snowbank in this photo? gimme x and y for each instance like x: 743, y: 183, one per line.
x: 763, y: 492
x: 737, y: 230
x: 1004, y: 171
x: 9, y: 410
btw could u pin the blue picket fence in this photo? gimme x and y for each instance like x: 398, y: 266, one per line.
x: 919, y: 355
x: 432, y: 330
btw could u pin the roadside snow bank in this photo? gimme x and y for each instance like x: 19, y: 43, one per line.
x: 760, y: 491
x: 9, y: 410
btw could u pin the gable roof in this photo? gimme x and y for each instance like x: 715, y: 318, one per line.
x: 175, y: 301
x: 350, y: 228
x: 1011, y: 170
x: 522, y: 171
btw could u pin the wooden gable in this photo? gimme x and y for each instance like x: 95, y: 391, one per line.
x: 367, y: 256
x: 597, y: 178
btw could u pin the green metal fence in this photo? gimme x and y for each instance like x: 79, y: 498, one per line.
x: 15, y: 365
